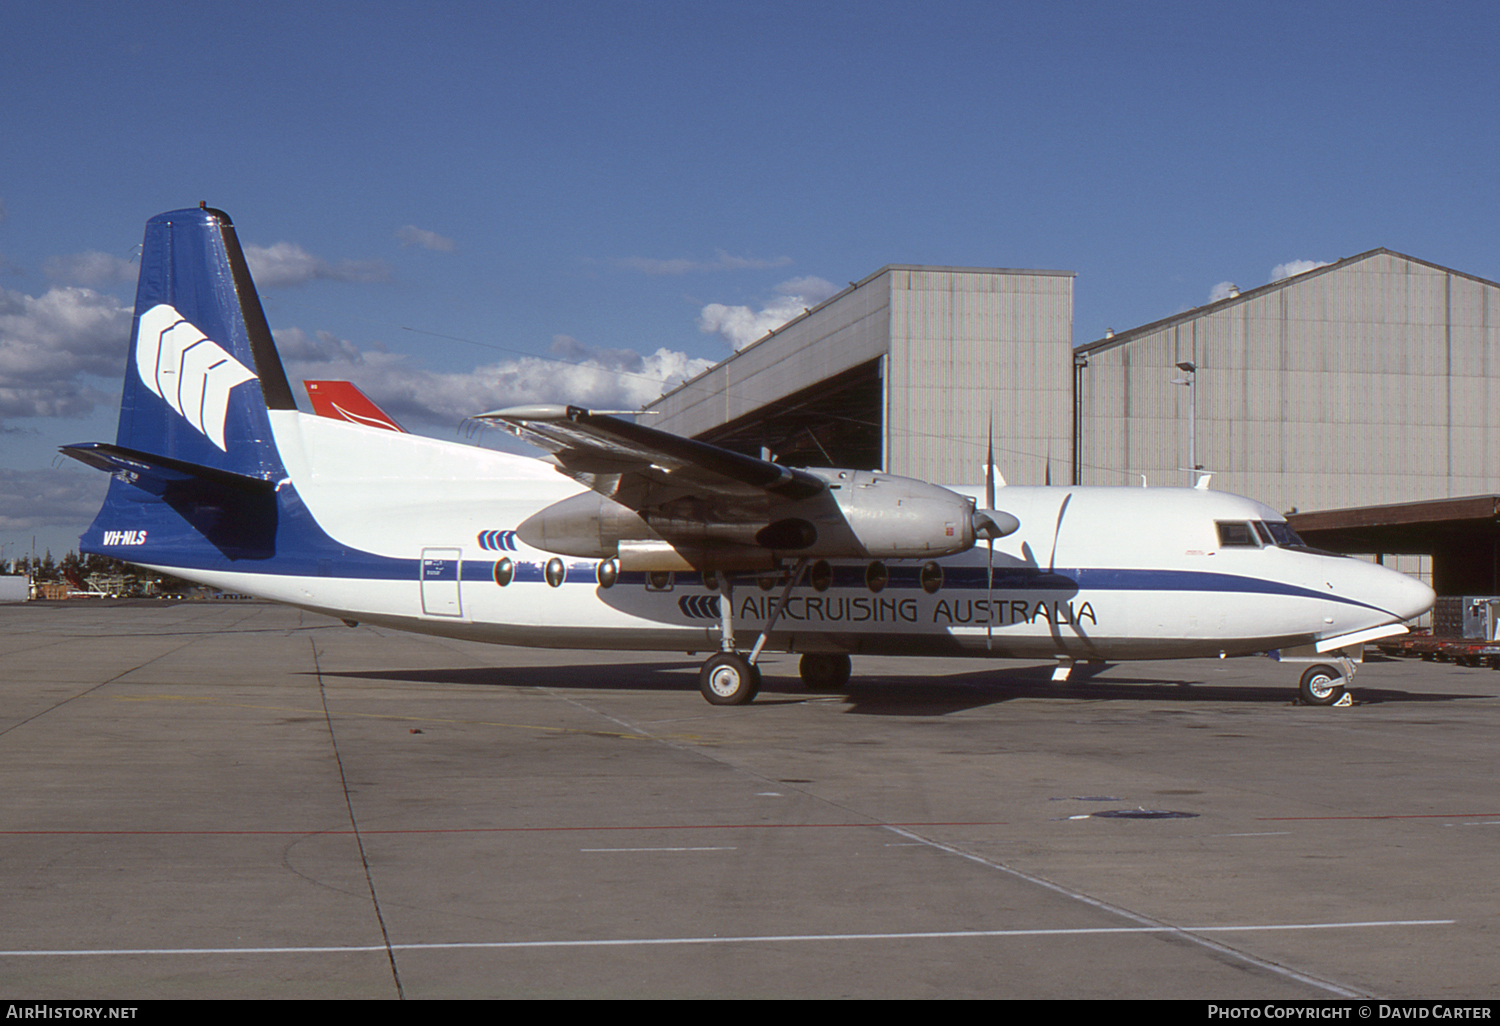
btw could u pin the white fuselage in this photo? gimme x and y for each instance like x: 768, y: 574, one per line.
x: 1106, y: 573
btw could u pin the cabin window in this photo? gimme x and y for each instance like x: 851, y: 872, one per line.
x: 876, y: 576
x: 659, y: 580
x: 1236, y: 534
x: 821, y: 575
x: 607, y: 573
x: 555, y: 572
x: 932, y: 578
x: 505, y: 572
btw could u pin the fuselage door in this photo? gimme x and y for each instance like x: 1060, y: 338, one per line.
x: 440, y: 582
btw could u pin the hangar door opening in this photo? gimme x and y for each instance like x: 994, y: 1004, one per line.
x: 838, y: 422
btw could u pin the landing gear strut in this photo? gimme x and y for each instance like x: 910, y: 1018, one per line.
x: 727, y: 677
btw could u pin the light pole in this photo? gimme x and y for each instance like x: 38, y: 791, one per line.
x: 1191, y: 369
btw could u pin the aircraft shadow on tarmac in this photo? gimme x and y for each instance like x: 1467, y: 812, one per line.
x: 666, y: 676
x: 893, y: 694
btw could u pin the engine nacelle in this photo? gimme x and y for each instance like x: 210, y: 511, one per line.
x: 589, y: 525
x: 893, y: 517
x: 861, y: 515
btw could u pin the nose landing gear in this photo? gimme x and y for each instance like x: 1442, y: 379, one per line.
x: 1324, y: 685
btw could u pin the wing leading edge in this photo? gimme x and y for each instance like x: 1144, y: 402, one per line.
x: 660, y: 501
x: 641, y: 467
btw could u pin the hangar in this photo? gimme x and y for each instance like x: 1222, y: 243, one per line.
x: 1367, y: 382
x: 902, y: 371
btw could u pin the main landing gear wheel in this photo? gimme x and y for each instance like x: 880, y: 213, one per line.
x: 729, y: 679
x: 824, y: 671
x: 1318, y: 685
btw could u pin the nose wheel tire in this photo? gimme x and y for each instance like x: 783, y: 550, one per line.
x: 1321, y: 685
x: 728, y: 678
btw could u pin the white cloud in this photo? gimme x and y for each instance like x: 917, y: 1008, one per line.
x: 740, y: 325
x: 809, y: 287
x: 598, y: 378
x: 1223, y: 290
x: 577, y: 373
x: 91, y: 268
x: 286, y: 264
x: 411, y: 235
x: 1291, y: 268
x: 722, y: 261
x: 49, y: 342
x: 1295, y: 267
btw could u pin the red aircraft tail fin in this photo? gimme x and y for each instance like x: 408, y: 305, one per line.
x: 341, y: 400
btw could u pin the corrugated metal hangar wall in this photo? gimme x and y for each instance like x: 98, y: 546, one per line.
x: 1373, y: 380
x: 903, y: 371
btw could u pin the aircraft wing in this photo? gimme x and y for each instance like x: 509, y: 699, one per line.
x: 641, y: 467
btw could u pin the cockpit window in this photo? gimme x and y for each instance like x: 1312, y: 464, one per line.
x: 1255, y: 534
x: 1236, y: 533
x: 1284, y: 535
x: 1286, y: 538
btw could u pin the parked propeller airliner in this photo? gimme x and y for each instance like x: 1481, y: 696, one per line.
x: 671, y: 544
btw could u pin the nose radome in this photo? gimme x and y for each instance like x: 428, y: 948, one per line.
x: 1399, y: 594
x: 1413, y: 597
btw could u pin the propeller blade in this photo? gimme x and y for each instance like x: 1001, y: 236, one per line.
x: 989, y: 468
x: 1061, y: 510
x: 989, y: 597
x: 991, y: 524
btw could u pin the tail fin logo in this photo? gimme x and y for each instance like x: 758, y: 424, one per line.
x: 189, y: 370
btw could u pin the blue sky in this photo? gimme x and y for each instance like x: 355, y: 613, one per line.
x: 461, y: 205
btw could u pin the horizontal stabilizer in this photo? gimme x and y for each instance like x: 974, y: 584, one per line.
x: 158, y: 473
x: 237, y: 514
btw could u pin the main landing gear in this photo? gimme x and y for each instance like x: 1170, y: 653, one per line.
x: 730, y: 678
x: 824, y: 671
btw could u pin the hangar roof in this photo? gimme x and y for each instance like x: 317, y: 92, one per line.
x: 1399, y: 527
x: 1120, y: 338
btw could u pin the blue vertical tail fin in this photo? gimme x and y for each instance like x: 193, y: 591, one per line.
x: 203, y: 369
x: 195, y: 463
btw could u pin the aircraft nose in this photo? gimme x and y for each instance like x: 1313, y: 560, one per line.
x: 1398, y: 594
x: 1408, y: 597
